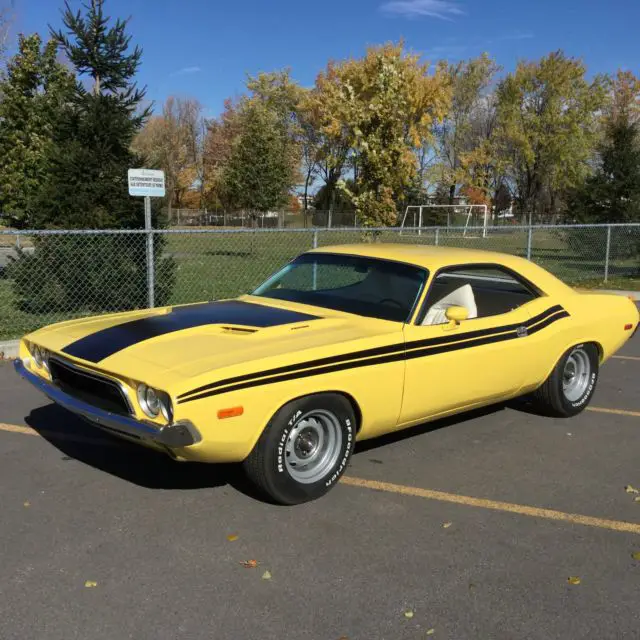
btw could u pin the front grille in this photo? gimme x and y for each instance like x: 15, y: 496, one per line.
x: 89, y: 387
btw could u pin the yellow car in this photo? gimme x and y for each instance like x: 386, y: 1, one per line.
x: 342, y: 344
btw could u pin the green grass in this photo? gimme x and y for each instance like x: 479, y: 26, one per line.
x: 214, y: 266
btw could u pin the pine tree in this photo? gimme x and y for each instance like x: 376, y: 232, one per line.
x: 612, y: 194
x: 87, y: 185
x: 35, y: 90
x: 87, y: 188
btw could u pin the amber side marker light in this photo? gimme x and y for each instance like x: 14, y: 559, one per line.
x: 232, y: 412
x: 628, y: 327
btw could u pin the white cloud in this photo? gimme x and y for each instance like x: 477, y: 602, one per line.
x: 187, y: 71
x: 443, y: 9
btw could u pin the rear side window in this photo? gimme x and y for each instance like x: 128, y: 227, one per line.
x: 485, y: 290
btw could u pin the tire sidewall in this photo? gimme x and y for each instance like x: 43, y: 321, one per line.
x: 282, y: 485
x: 575, y: 407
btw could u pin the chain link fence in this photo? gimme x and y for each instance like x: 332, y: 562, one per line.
x: 49, y: 276
x: 189, y: 218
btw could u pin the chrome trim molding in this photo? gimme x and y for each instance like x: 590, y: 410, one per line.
x: 179, y: 434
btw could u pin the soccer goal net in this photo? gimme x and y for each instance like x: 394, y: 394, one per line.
x: 473, y: 218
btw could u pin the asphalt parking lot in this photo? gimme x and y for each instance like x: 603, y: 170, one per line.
x: 465, y: 528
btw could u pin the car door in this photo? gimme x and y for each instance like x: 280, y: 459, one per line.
x: 453, y: 366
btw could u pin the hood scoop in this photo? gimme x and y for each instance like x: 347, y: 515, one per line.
x: 238, y: 331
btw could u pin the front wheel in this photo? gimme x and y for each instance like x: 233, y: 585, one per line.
x: 569, y: 388
x: 304, y: 449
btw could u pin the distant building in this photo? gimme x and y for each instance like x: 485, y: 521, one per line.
x: 310, y: 199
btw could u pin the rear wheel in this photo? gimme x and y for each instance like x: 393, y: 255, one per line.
x: 304, y: 449
x: 569, y: 388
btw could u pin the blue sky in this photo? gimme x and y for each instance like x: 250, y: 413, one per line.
x: 205, y: 48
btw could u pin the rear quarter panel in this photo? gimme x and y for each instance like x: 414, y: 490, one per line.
x: 604, y: 317
x: 597, y: 318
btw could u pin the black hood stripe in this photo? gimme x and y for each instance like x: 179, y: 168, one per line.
x: 102, y: 344
x: 380, y: 355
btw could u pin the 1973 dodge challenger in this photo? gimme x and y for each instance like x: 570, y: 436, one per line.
x: 342, y: 344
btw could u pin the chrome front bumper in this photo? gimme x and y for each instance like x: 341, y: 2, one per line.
x: 178, y: 434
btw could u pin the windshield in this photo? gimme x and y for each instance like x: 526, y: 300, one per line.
x: 363, y: 286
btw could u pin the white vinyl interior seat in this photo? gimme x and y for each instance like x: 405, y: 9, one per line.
x: 461, y: 297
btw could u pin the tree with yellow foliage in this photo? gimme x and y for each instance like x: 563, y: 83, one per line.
x: 381, y: 107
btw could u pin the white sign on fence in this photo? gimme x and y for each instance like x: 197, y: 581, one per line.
x: 146, y: 182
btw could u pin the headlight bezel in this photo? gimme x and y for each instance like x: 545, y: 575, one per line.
x: 39, y: 355
x: 164, y: 405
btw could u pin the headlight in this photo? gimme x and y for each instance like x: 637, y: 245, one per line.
x: 154, y: 402
x: 40, y: 355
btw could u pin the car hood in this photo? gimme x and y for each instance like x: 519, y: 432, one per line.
x: 168, y: 345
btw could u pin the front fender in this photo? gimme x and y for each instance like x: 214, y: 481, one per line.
x: 377, y: 390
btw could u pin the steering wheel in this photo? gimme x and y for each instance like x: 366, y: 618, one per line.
x: 392, y: 301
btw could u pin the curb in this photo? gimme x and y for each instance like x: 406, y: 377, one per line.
x: 9, y: 349
x: 634, y: 295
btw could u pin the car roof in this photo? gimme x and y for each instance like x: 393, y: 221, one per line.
x: 435, y: 257
x: 429, y: 256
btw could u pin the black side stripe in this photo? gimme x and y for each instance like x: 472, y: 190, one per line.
x: 509, y: 332
x: 377, y: 351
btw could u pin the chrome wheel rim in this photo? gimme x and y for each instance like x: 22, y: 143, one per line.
x: 313, y: 446
x: 576, y: 374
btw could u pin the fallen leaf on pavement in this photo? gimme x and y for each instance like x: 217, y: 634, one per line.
x: 90, y: 583
x: 266, y: 575
x: 430, y: 632
x: 408, y: 614
x: 27, y: 504
x: 446, y: 525
x: 630, y: 489
x: 249, y: 564
x: 232, y: 538
x: 636, y: 499
x: 573, y: 580
x: 636, y: 555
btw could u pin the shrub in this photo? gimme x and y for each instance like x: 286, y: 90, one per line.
x: 89, y: 273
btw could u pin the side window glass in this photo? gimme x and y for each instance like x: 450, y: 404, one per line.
x: 483, y: 290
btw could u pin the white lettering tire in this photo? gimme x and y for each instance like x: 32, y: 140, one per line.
x: 570, y: 387
x: 304, y: 450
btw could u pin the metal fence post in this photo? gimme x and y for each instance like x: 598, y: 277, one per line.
x: 315, y: 265
x: 529, y: 241
x: 437, y: 236
x: 18, y: 243
x: 607, y: 254
x: 150, y: 256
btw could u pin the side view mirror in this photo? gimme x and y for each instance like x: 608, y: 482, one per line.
x: 455, y: 315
